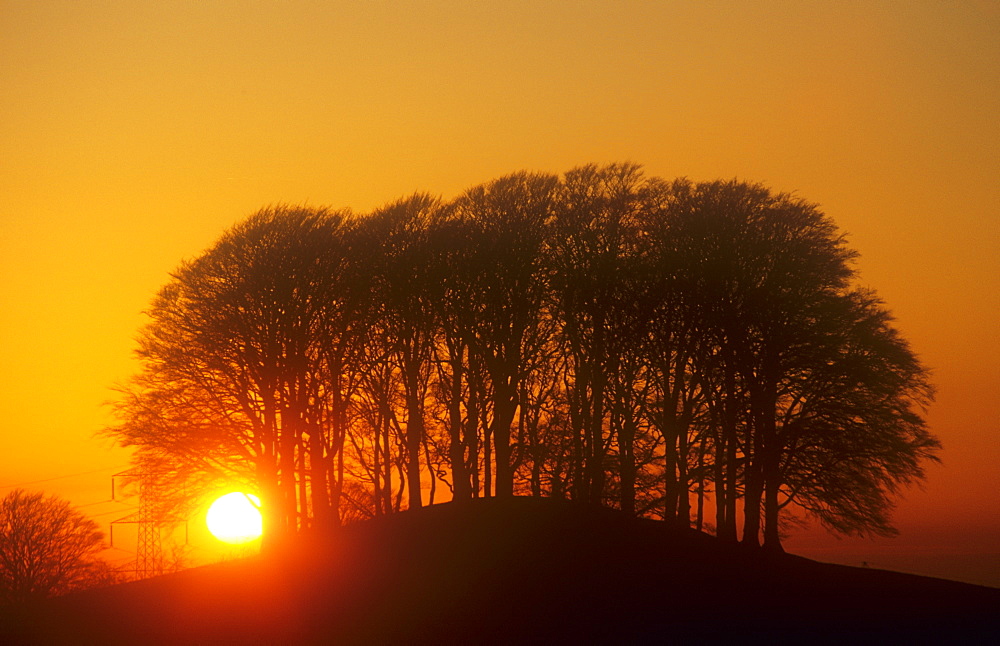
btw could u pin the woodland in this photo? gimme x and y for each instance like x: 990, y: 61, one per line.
x: 694, y: 352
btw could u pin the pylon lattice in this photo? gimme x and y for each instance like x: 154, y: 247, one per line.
x: 148, y: 548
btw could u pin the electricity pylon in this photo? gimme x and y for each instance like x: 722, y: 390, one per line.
x: 148, y: 548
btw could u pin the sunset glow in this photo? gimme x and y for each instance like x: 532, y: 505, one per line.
x: 235, y: 518
x: 135, y: 133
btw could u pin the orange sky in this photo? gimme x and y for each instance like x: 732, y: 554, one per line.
x: 133, y: 133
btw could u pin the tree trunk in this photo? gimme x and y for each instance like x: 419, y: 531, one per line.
x: 683, y: 497
x: 377, y: 465
x: 503, y: 418
x: 626, y: 465
x: 288, y: 508
x: 754, y: 469
x: 471, y: 431
x: 772, y: 536
x: 270, y: 497
x: 580, y: 486
x: 751, y: 504
x: 595, y: 468
x: 414, y: 427
x: 456, y: 446
x: 730, y: 438
x: 319, y: 480
x: 721, y: 491
x: 771, y: 465
x: 669, y: 426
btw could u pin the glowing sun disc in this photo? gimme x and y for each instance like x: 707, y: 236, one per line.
x: 235, y: 518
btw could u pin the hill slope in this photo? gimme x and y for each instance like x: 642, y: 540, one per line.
x: 520, y: 571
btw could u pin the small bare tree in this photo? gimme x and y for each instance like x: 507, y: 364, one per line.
x: 46, y: 548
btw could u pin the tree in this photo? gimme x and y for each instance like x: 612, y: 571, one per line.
x: 406, y: 293
x: 673, y: 340
x: 456, y: 385
x: 849, y: 424
x: 592, y: 240
x: 243, y: 366
x: 46, y: 547
x: 830, y: 395
x: 508, y: 288
x: 605, y: 336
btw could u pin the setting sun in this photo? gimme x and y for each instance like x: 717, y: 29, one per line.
x: 235, y: 518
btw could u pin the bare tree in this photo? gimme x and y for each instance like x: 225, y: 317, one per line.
x: 47, y: 547
x: 849, y: 422
x: 592, y: 240
x: 508, y: 289
x: 607, y: 337
x: 243, y: 364
x: 407, y: 292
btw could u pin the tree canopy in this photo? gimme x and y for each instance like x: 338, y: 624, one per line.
x: 675, y: 349
x: 46, y: 547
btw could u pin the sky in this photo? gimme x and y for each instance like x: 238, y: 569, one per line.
x: 132, y: 134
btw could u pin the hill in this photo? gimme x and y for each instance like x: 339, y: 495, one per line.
x: 518, y: 571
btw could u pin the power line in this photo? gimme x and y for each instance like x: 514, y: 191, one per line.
x: 113, y: 511
x: 99, y: 502
x: 71, y: 475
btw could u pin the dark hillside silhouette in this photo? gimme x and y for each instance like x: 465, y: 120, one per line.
x: 521, y: 570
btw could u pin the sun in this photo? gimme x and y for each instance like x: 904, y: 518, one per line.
x: 235, y: 518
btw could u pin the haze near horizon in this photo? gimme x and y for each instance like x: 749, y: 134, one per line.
x: 135, y: 134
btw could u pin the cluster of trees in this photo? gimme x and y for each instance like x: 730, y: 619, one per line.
x: 47, y: 548
x: 694, y: 352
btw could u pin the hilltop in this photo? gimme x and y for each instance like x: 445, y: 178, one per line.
x: 518, y: 571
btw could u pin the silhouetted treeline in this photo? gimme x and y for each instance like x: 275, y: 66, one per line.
x: 696, y: 352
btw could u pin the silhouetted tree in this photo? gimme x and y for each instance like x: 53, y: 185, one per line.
x: 764, y: 262
x: 47, y: 548
x: 672, y: 340
x: 406, y: 291
x: 508, y: 291
x: 849, y: 421
x: 457, y: 388
x: 591, y: 240
x: 243, y: 363
x: 605, y: 336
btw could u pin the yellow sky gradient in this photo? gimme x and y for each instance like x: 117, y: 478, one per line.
x: 133, y: 133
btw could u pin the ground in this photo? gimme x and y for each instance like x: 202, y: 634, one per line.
x: 520, y: 571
